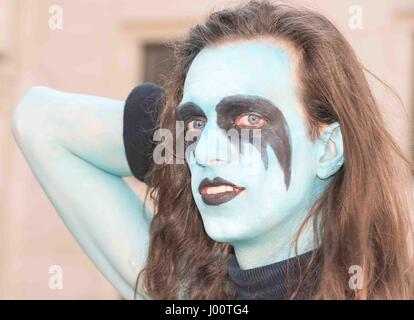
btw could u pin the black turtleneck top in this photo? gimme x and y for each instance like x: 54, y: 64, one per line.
x: 275, y: 281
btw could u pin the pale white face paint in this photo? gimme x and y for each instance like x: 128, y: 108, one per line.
x: 260, y: 222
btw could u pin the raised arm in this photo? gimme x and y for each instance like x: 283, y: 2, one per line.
x: 73, y: 143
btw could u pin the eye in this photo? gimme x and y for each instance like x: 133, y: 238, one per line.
x: 194, y: 125
x: 250, y: 120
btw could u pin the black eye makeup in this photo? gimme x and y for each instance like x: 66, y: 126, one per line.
x: 193, y: 116
x: 194, y: 125
x: 189, y: 111
x: 253, y: 112
x: 194, y: 120
x: 245, y: 112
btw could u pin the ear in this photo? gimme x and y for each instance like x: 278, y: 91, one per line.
x: 331, y: 157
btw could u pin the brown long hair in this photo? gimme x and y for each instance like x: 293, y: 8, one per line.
x: 363, y: 215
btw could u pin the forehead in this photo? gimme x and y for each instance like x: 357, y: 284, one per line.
x: 255, y: 68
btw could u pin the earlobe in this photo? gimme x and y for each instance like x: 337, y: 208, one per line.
x: 331, y: 157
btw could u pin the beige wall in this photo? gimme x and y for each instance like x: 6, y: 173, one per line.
x: 98, y: 52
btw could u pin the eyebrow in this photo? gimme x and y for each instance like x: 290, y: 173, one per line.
x: 189, y: 110
x: 248, y: 103
x: 242, y: 102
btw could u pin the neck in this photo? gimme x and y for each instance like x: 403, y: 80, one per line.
x: 275, y: 245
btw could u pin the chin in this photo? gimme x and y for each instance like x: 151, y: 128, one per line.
x: 223, y: 232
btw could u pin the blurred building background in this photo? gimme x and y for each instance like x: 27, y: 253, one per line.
x: 105, y: 47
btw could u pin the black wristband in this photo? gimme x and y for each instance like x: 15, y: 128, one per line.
x: 141, y: 112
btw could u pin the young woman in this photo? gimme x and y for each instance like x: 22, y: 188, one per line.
x: 318, y: 209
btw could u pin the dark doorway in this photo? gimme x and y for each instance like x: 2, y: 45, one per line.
x: 157, y: 62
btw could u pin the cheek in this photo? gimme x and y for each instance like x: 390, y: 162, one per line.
x: 265, y: 201
x: 267, y: 190
x: 259, y: 177
x: 190, y: 158
x: 304, y: 182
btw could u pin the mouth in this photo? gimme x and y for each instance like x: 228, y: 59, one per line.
x: 217, y: 191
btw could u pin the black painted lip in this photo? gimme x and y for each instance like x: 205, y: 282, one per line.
x: 218, y: 198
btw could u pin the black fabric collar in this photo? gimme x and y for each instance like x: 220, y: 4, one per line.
x: 274, y: 281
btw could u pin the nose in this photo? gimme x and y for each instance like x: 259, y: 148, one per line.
x: 212, y: 147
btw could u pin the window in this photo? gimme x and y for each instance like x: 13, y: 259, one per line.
x: 157, y: 62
